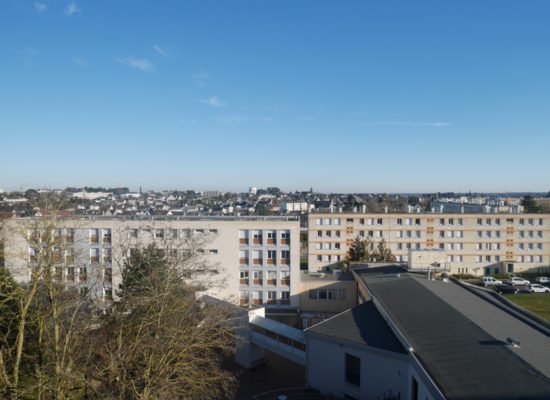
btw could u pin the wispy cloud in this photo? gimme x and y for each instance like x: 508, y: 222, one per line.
x: 200, y: 78
x: 161, y: 51
x: 231, y: 119
x: 141, y: 64
x: 408, y: 123
x: 213, y: 101
x: 40, y: 7
x: 72, y: 8
x: 81, y: 62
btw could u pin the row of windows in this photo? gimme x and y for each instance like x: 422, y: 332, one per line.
x: 259, y: 234
x: 270, y: 275
x: 170, y: 233
x: 418, y: 234
x: 327, y: 294
x: 417, y: 221
x: 258, y: 254
x: 260, y: 295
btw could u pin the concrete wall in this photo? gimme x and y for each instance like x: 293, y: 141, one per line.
x: 328, y: 305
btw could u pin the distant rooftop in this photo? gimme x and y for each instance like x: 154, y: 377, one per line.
x: 178, y: 218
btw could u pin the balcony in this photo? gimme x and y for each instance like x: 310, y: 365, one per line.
x: 270, y: 261
x: 272, y: 282
x: 69, y: 277
x: 285, y: 261
x: 244, y: 281
x: 82, y: 277
x: 285, y: 241
x: 106, y: 239
x: 243, y: 261
x: 243, y: 302
x: 243, y: 241
x: 257, y: 261
x: 257, y: 240
x: 285, y: 281
x: 94, y: 239
x: 271, y: 302
x: 257, y: 301
x: 94, y: 260
x: 271, y: 241
x: 256, y: 281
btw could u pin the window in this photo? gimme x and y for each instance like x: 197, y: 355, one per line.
x: 285, y: 235
x: 337, y: 246
x: 399, y: 221
x: 133, y: 233
x: 460, y: 221
x: 285, y: 295
x: 285, y: 254
x: 379, y: 221
x: 319, y: 234
x: 272, y: 254
x: 417, y: 221
x: 244, y: 275
x: 337, y: 233
x: 336, y: 221
x: 361, y: 221
x: 441, y: 221
x: 353, y: 370
x: 318, y: 221
x: 328, y: 221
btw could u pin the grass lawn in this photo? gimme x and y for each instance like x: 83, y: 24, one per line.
x: 538, y: 303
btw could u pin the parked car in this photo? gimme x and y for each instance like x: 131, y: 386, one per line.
x: 490, y: 281
x: 543, y: 280
x: 517, y: 281
x: 505, y: 288
x: 536, y: 288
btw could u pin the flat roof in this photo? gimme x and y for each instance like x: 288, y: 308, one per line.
x: 326, y: 277
x: 362, y: 324
x: 464, y: 360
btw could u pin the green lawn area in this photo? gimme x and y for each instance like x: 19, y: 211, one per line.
x: 538, y: 303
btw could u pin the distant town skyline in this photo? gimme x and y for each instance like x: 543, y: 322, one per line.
x: 357, y: 97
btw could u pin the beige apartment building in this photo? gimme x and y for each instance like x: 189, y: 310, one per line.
x: 477, y: 244
x: 245, y: 260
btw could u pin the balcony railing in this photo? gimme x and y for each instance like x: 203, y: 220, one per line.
x: 285, y: 261
x: 243, y: 302
x: 94, y: 259
x: 271, y: 281
x: 285, y: 281
x: 271, y: 241
x: 244, y: 281
x: 256, y: 261
x: 106, y: 239
x: 257, y: 240
x: 243, y: 240
x: 82, y: 278
x: 94, y: 239
x: 257, y: 301
x: 271, y: 302
x: 285, y: 241
x: 271, y: 261
x: 256, y: 281
x: 243, y: 261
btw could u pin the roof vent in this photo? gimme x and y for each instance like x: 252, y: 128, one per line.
x: 513, y: 342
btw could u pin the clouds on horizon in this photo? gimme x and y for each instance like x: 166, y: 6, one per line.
x: 408, y: 123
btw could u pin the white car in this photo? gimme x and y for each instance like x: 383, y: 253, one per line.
x: 542, y: 279
x: 490, y: 281
x: 517, y: 281
x: 536, y: 288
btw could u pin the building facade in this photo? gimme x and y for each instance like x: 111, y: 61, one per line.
x: 247, y: 261
x: 477, y: 244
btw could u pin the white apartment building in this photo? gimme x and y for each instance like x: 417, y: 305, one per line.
x: 244, y: 260
x: 477, y: 244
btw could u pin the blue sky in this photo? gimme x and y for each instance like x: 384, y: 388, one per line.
x: 360, y: 96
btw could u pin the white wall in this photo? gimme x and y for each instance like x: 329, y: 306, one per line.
x: 380, y: 370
